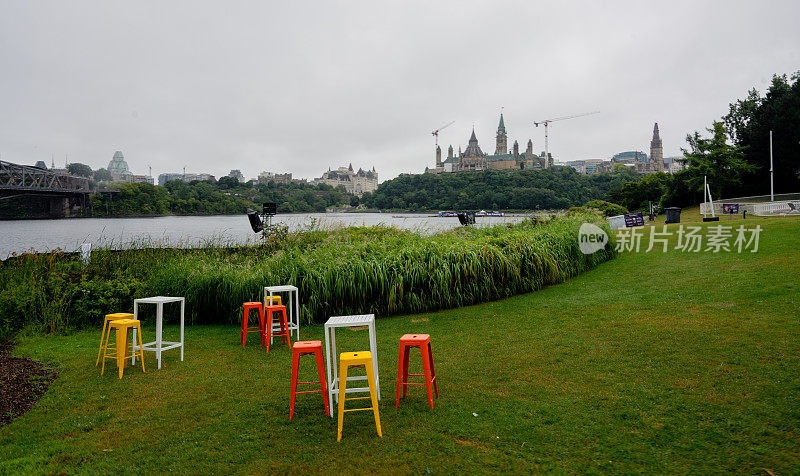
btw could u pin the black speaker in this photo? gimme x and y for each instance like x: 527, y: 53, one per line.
x: 270, y: 208
x: 255, y: 221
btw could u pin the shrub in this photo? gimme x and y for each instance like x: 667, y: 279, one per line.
x: 609, y: 209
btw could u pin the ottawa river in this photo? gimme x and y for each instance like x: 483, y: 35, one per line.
x: 19, y: 236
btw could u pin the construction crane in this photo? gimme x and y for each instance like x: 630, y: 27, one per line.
x: 547, y: 122
x: 436, y: 132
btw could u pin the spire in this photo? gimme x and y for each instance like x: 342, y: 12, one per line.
x: 351, y: 167
x: 502, y: 138
x: 656, y: 142
x: 473, y: 138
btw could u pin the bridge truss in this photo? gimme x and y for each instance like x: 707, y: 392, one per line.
x: 28, y: 178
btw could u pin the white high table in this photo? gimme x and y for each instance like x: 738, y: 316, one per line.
x: 158, y: 345
x: 292, y: 309
x: 333, y: 361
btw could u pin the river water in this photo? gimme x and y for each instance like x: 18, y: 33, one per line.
x: 18, y: 236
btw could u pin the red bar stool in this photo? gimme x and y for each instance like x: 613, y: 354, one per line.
x: 247, y: 307
x: 308, y: 347
x: 284, y: 325
x: 423, y: 341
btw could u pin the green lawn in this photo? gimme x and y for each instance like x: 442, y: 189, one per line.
x: 652, y: 362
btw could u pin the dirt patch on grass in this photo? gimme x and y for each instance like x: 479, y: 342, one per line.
x: 22, y: 382
x: 471, y: 444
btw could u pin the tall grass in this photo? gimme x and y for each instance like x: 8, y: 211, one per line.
x: 380, y: 270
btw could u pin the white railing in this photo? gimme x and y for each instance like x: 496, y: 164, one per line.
x: 760, y: 208
x: 776, y: 208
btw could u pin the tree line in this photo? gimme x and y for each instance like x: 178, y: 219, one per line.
x: 227, y: 196
x: 550, y: 189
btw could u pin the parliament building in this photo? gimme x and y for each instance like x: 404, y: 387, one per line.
x: 474, y: 159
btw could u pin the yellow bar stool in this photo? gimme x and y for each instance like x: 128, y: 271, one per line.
x: 351, y: 359
x: 120, y: 349
x: 276, y: 301
x: 109, y: 318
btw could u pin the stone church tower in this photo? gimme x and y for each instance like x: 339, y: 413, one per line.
x: 439, y: 156
x: 502, y: 138
x: 656, y: 152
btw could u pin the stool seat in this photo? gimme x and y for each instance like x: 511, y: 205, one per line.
x: 302, y: 348
x: 347, y: 360
x: 413, y: 338
x: 307, y: 344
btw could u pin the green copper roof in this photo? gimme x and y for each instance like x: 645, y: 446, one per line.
x: 502, y: 126
x: 500, y: 157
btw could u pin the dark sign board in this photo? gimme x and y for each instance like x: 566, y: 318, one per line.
x: 634, y: 219
x: 730, y: 208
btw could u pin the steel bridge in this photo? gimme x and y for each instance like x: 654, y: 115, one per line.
x: 25, y: 178
x: 41, y: 193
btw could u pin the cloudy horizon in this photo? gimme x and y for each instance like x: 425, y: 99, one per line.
x: 308, y: 86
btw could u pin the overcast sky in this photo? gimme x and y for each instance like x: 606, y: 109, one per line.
x: 302, y: 86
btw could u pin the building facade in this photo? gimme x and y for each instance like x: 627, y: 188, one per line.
x: 631, y: 157
x: 357, y: 183
x: 266, y: 177
x: 237, y: 174
x: 164, y: 178
x: 474, y: 159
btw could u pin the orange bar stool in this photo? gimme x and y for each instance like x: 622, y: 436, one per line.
x: 120, y: 349
x: 353, y: 359
x: 423, y: 341
x: 109, y: 318
x: 284, y: 325
x: 308, y: 347
x: 246, y: 308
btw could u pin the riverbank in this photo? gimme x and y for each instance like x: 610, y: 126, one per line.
x: 352, y: 270
x: 188, y: 231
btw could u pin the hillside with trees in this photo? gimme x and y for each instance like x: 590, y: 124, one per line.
x: 550, y: 189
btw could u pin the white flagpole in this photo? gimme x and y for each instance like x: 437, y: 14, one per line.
x: 771, y: 174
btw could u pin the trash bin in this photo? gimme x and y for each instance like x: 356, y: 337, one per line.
x: 673, y: 215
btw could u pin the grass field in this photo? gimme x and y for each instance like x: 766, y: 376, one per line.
x: 653, y: 362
